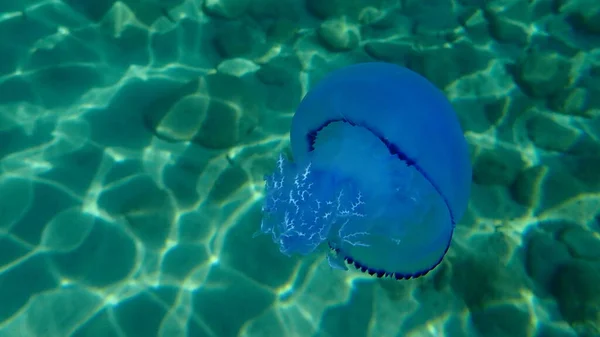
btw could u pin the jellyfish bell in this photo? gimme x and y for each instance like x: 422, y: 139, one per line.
x: 381, y: 173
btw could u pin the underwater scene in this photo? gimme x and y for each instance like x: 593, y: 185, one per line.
x: 300, y: 168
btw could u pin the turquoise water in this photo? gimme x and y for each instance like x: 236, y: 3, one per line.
x: 134, y: 137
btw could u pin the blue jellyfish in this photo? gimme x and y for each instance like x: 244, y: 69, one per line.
x: 381, y: 174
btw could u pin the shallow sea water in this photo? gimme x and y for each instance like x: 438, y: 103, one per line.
x: 134, y: 137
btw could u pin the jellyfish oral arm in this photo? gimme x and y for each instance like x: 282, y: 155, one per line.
x: 302, y: 206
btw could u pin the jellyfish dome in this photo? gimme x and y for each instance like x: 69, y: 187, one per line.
x: 381, y: 173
